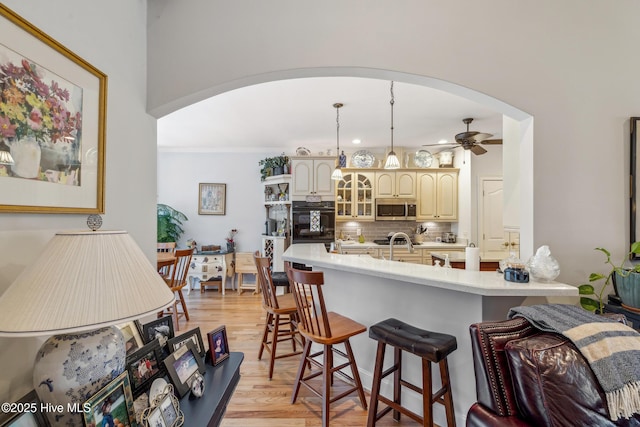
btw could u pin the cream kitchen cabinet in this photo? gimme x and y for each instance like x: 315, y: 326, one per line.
x: 312, y: 176
x: 354, y: 197
x: 390, y: 184
x: 355, y: 250
x: 402, y: 254
x: 437, y: 195
x: 512, y: 242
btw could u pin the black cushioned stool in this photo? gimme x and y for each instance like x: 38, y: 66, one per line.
x: 431, y: 347
x: 280, y: 279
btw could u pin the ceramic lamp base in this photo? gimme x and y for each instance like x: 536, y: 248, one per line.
x: 70, y: 368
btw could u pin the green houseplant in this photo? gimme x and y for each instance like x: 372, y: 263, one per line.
x: 169, y: 223
x: 267, y: 166
x: 588, y: 289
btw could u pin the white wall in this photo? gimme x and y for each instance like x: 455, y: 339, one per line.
x: 178, y: 177
x: 567, y: 64
x: 112, y: 37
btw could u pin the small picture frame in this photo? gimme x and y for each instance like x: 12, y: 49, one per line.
x: 132, y: 339
x: 212, y: 199
x: 218, y: 345
x: 193, y: 335
x: 27, y: 413
x: 143, y: 366
x: 160, y: 329
x: 164, y: 411
x: 113, y: 401
x: 182, y: 365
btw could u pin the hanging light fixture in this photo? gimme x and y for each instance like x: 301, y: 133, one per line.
x: 337, y: 173
x: 392, y: 160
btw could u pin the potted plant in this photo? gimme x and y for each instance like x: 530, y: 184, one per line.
x: 620, y: 273
x: 272, y: 166
x: 169, y: 223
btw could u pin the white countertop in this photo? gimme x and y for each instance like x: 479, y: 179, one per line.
x: 473, y: 282
x: 425, y: 245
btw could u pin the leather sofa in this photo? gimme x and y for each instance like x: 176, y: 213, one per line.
x: 526, y: 377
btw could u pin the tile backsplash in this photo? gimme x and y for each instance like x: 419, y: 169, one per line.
x: 380, y: 229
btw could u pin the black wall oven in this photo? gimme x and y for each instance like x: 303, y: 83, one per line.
x: 313, y: 222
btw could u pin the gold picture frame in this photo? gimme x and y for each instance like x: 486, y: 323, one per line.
x: 212, y: 199
x: 52, y: 121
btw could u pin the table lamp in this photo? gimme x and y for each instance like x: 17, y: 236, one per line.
x: 82, y: 285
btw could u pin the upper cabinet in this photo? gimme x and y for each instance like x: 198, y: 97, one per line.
x: 437, y: 195
x: 391, y: 184
x: 312, y: 177
x: 354, y: 198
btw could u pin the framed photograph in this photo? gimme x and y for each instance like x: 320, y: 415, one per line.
x: 53, y: 112
x: 163, y: 412
x: 143, y: 366
x: 132, y: 339
x: 114, y: 401
x: 212, y: 199
x: 218, y: 345
x: 193, y: 335
x: 182, y: 365
x: 24, y: 413
x: 160, y: 329
x: 634, y: 216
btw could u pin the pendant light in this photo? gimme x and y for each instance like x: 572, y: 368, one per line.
x: 392, y: 160
x: 337, y: 173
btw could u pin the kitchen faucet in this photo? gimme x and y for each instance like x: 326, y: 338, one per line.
x: 406, y: 238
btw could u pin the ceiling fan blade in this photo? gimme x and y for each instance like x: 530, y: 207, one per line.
x: 491, y: 141
x: 481, y: 137
x: 477, y: 150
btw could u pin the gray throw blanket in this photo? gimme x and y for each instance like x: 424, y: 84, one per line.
x: 611, y: 349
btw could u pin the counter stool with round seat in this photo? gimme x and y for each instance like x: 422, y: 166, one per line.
x: 431, y: 347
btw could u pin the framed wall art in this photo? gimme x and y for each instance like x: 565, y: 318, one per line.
x: 212, y: 199
x: 218, y: 345
x: 634, y: 216
x: 114, y: 401
x: 52, y: 122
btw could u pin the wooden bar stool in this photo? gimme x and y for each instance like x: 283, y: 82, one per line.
x: 282, y: 315
x: 431, y: 347
x: 328, y: 329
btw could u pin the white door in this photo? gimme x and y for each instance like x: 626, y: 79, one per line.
x: 491, y: 227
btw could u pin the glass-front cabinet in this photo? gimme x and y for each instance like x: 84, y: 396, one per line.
x: 354, y: 197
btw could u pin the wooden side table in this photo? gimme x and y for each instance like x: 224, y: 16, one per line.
x: 245, y: 264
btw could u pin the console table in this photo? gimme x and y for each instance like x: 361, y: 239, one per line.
x: 220, y: 382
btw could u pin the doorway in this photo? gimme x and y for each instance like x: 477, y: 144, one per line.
x: 490, y: 221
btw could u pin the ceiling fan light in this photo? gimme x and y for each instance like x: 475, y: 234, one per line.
x: 392, y: 161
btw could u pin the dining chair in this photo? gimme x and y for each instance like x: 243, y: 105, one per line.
x: 167, y: 247
x: 281, y: 316
x: 328, y: 329
x: 176, y: 280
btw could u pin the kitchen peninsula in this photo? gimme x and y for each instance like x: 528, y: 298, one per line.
x: 435, y: 298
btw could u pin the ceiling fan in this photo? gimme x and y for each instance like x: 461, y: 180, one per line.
x: 470, y: 140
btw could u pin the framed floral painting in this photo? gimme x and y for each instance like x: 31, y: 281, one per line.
x: 52, y: 124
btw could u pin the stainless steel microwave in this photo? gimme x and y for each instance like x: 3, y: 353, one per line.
x: 396, y: 209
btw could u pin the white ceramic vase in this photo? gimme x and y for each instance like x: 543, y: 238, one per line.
x: 70, y: 368
x: 26, y: 155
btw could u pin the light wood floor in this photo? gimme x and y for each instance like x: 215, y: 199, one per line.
x: 258, y: 401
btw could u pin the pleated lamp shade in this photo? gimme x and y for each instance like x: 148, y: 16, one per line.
x: 83, y: 280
